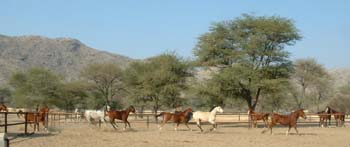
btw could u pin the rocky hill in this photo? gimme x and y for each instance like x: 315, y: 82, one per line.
x: 64, y: 56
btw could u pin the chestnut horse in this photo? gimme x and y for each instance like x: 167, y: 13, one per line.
x: 255, y: 116
x: 40, y: 116
x: 3, y: 108
x: 121, y: 115
x: 179, y: 117
x: 324, y: 118
x: 338, y: 116
x: 286, y: 120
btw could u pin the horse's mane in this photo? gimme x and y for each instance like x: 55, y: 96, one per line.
x: 212, y: 108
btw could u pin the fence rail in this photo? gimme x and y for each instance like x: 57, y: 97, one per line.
x: 242, y: 118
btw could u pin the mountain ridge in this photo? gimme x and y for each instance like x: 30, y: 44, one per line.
x: 65, y: 56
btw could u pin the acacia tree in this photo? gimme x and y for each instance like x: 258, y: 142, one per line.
x: 250, y: 52
x: 35, y: 86
x: 106, y: 78
x: 73, y: 95
x: 159, y: 79
x: 311, y: 76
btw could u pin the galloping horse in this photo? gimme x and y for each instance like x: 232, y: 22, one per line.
x: 3, y: 108
x: 255, y: 116
x: 95, y: 115
x: 40, y: 116
x: 180, y: 117
x: 210, y: 117
x: 121, y: 115
x: 286, y: 120
x: 338, y: 116
x: 324, y: 117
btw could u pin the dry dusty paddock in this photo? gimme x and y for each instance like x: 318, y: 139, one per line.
x: 81, y: 134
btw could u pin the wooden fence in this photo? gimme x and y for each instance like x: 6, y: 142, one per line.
x: 237, y: 118
x: 22, y: 121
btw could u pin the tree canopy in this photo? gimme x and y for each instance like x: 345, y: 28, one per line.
x: 106, y: 78
x: 159, y: 79
x: 249, y: 50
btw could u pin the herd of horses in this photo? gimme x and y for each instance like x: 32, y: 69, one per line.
x: 110, y: 116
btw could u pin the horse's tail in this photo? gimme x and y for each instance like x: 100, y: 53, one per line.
x: 189, y: 116
x: 161, y: 114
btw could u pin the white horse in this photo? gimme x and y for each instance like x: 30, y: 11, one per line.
x: 95, y: 115
x: 77, y: 114
x: 199, y: 117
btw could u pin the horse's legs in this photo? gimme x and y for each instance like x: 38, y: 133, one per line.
x: 114, y: 125
x: 255, y: 124
x: 287, y: 133
x: 199, y: 125
x: 188, y: 126
x: 163, y: 123
x: 214, y: 125
x: 128, y: 123
x: 296, y: 130
x: 125, y: 123
x: 177, y: 125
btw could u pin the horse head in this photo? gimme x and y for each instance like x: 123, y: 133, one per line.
x: 219, y: 109
x: 132, y: 109
x: 301, y: 113
x: 250, y: 110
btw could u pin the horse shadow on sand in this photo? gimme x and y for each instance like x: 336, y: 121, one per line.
x: 20, y: 137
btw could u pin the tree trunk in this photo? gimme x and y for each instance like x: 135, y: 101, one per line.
x: 142, y: 109
x: 156, y: 107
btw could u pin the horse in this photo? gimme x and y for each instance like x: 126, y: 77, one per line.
x: 36, y: 118
x: 338, y: 116
x: 179, y: 117
x: 324, y: 117
x: 77, y: 114
x: 95, y: 115
x: 3, y: 108
x: 286, y: 120
x: 121, y: 115
x: 210, y: 117
x: 255, y: 116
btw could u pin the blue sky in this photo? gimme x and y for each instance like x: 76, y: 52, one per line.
x: 141, y: 29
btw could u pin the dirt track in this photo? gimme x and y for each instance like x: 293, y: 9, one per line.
x: 226, y: 135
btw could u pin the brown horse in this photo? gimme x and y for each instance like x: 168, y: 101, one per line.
x: 3, y: 108
x: 286, y: 120
x: 179, y: 117
x: 121, y: 115
x: 338, y: 116
x: 40, y: 116
x: 324, y: 118
x: 255, y: 116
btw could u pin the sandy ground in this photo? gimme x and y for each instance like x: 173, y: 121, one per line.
x: 82, y: 134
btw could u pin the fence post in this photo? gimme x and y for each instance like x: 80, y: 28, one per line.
x: 147, y: 121
x: 5, y: 122
x: 25, y: 123
x: 47, y: 120
x: 59, y: 118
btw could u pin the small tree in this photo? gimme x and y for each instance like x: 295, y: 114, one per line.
x: 106, y: 78
x: 72, y: 95
x: 341, y: 100
x: 310, y: 76
x: 34, y: 87
x: 159, y: 79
